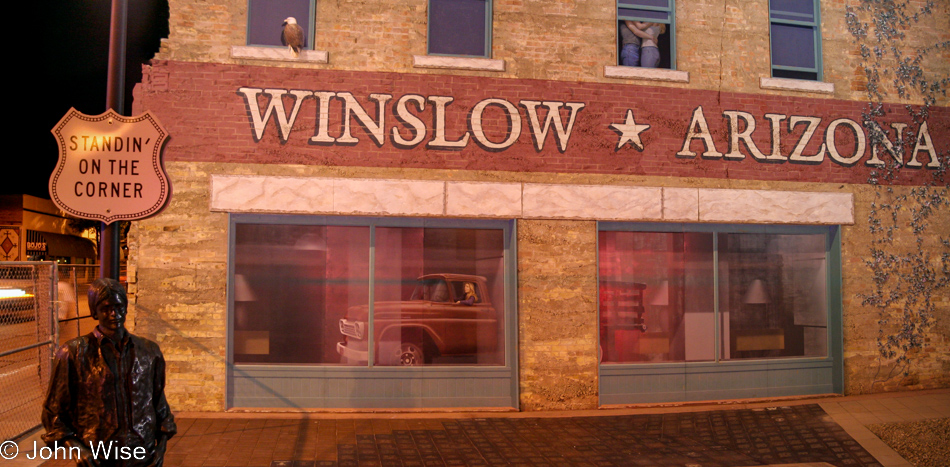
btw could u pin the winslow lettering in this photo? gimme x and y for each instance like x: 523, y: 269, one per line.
x: 409, y: 130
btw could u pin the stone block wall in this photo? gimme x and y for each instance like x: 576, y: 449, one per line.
x: 178, y: 279
x: 723, y: 45
x: 864, y: 369
x: 557, y: 311
x: 178, y: 259
x: 177, y: 285
x: 551, y: 50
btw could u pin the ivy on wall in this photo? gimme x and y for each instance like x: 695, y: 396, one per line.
x: 908, y: 274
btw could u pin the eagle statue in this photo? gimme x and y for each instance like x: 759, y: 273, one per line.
x: 292, y: 36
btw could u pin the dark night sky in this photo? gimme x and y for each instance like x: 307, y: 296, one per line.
x: 73, y: 61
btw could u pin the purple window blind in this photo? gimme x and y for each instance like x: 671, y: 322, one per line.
x: 458, y: 27
x: 266, y: 17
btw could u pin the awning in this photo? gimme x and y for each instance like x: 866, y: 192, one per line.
x: 62, y: 245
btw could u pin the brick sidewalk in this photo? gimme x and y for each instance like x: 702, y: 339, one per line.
x: 746, y: 437
x: 826, y: 431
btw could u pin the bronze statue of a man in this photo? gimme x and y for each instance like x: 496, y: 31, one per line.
x: 106, y: 398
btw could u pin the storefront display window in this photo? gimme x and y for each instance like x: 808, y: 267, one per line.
x: 663, y: 293
x: 292, y: 285
x: 773, y: 300
x: 423, y: 313
x: 656, y: 296
x: 368, y: 295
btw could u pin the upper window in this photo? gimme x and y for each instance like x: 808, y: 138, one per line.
x: 265, y: 20
x: 796, y: 39
x: 646, y: 33
x: 460, y: 27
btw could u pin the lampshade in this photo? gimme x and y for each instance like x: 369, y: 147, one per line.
x: 310, y: 241
x: 757, y: 293
x: 242, y: 290
x: 662, y: 295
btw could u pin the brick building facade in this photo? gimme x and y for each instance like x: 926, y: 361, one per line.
x: 547, y: 141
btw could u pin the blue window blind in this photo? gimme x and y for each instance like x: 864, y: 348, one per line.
x: 796, y: 39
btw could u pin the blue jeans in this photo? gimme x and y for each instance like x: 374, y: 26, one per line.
x: 630, y: 55
x: 649, y: 57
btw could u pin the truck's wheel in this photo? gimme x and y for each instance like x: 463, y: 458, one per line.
x: 411, y: 354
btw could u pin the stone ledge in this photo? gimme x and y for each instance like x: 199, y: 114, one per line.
x: 800, y: 85
x: 435, y: 198
x: 279, y: 54
x: 457, y: 63
x: 647, y: 74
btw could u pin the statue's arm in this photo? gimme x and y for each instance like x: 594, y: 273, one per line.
x: 158, y: 457
x: 56, y: 414
x: 165, y: 418
x: 163, y: 413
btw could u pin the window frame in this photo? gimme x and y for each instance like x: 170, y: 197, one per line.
x: 310, y: 38
x: 833, y: 269
x: 815, y: 24
x: 487, y: 39
x: 649, y: 382
x: 670, y: 10
x: 337, y: 386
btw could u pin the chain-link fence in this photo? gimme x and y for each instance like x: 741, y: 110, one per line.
x: 42, y: 305
x: 72, y: 307
x: 27, y: 338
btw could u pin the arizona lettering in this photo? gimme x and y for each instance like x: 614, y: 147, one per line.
x: 743, y: 124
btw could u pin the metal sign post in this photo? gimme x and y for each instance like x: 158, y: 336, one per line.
x: 110, y: 166
x: 115, y: 89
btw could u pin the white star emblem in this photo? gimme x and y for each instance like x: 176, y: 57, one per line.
x: 629, y: 131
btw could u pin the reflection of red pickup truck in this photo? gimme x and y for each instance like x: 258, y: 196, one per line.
x: 427, y: 326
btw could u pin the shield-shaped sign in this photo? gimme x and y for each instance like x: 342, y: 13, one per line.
x: 110, y: 166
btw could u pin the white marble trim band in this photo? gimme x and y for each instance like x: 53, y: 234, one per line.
x: 602, y: 202
x: 779, y: 207
x: 392, y: 197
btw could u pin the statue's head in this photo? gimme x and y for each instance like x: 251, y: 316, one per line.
x: 108, y: 304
